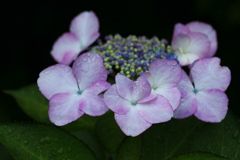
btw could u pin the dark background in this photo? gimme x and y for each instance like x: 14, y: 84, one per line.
x: 28, y: 30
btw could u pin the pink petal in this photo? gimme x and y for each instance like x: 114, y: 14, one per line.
x: 212, y: 105
x: 57, y: 79
x: 180, y: 41
x: 89, y: 68
x: 190, y: 47
x: 85, y: 26
x: 155, y: 111
x: 180, y: 29
x: 92, y: 105
x: 199, y: 45
x: 208, y: 31
x: 165, y: 73
x: 208, y: 74
x: 115, y: 102
x: 131, y: 123
x: 185, y: 85
x: 187, y: 107
x: 124, y: 86
x: 64, y: 108
x: 98, y: 87
x: 173, y: 95
x: 66, y: 48
x: 148, y: 98
x: 141, y: 89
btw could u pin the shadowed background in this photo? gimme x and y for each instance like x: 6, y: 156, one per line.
x: 29, y: 29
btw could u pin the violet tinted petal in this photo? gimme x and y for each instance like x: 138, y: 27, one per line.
x: 208, y: 74
x: 212, y: 105
x: 64, y: 108
x: 57, y: 79
x: 85, y: 26
x: 173, y: 95
x: 66, y: 48
x: 185, y: 85
x: 208, y: 31
x: 98, y: 87
x: 199, y: 45
x: 180, y: 29
x: 92, y: 105
x: 115, y: 102
x: 124, y: 86
x: 155, y: 111
x: 141, y: 89
x: 131, y: 123
x: 166, y: 73
x: 187, y: 107
x: 89, y: 68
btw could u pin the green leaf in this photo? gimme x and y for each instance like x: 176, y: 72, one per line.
x: 109, y: 133
x: 130, y: 148
x: 32, y: 102
x: 34, y: 141
x: 198, y: 156
x: 35, y: 105
x: 166, y: 140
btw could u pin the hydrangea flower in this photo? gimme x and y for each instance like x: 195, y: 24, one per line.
x: 193, y: 41
x: 163, y: 76
x: 83, y: 32
x: 135, y: 108
x: 206, y: 98
x: 75, y: 91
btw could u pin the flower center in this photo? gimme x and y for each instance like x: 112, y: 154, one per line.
x: 195, y: 90
x: 80, y: 92
x: 134, y: 103
x: 132, y: 55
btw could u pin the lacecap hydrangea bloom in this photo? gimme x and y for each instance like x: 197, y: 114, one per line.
x: 150, y: 86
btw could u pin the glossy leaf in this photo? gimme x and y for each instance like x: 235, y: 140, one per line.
x: 32, y: 102
x: 198, y: 156
x: 35, y: 141
x: 130, y: 148
x: 167, y: 140
x: 109, y: 133
x: 35, y: 105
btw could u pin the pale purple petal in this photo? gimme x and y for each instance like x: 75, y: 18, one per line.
x: 141, y: 89
x: 165, y: 73
x: 98, y: 87
x: 115, y: 102
x: 212, y: 105
x: 155, y: 111
x: 180, y: 29
x: 64, y: 108
x: 57, y: 79
x: 66, y: 48
x: 89, y: 68
x: 173, y: 95
x: 185, y: 85
x: 208, y: 31
x: 208, y: 74
x: 148, y: 98
x: 85, y: 26
x: 124, y: 86
x: 180, y: 41
x: 187, y: 107
x: 131, y: 123
x: 92, y: 105
x: 199, y: 44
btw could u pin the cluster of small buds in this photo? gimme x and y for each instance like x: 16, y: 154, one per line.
x: 132, y: 55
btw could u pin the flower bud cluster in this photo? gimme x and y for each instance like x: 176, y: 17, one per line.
x: 132, y: 55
